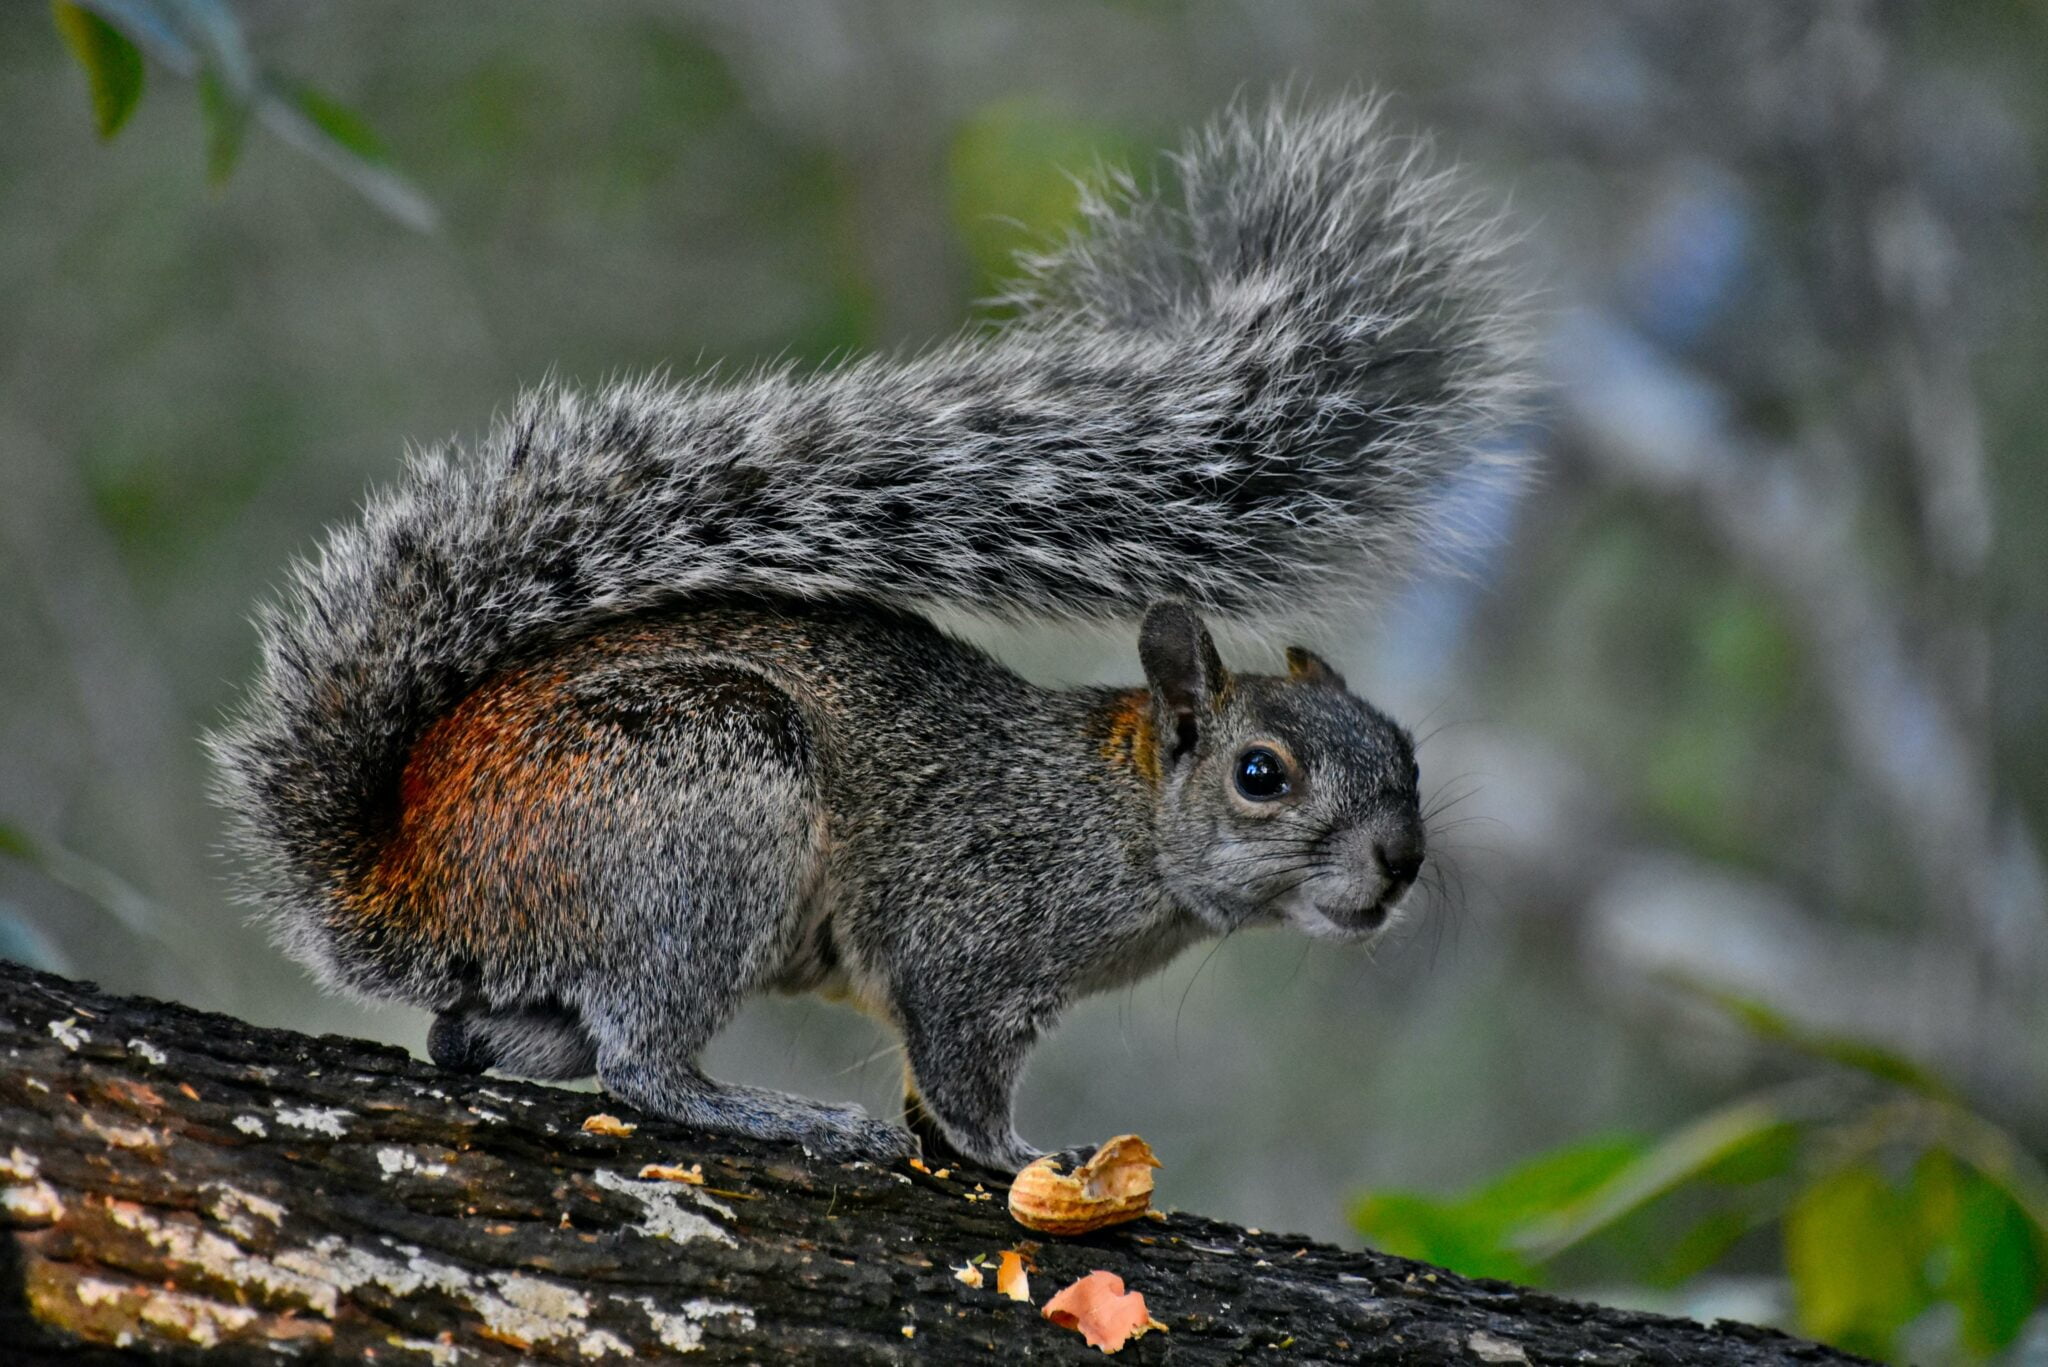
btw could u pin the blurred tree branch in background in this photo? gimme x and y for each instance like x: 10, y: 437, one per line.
x: 1782, y: 360
x: 1904, y: 655
x: 1834, y: 456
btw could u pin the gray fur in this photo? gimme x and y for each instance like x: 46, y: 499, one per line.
x: 1245, y: 395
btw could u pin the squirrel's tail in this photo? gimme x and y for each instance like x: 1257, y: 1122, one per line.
x: 1248, y: 391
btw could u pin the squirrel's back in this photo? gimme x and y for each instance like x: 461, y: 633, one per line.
x: 1248, y: 391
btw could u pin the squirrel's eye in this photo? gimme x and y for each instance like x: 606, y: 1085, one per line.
x: 1414, y: 773
x: 1261, y: 775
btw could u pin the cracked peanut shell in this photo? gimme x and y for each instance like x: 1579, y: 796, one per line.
x: 1113, y: 1186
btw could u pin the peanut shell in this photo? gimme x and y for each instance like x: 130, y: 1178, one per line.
x: 1113, y: 1186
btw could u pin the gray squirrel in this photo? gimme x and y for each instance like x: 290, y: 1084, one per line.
x: 582, y: 737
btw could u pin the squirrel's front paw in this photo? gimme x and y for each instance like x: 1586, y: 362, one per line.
x: 1005, y: 1159
x: 1067, y: 1160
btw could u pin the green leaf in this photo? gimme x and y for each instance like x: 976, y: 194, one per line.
x: 1473, y: 1233
x: 1767, y: 1155
x: 1998, y: 1157
x: 1012, y: 168
x: 1747, y: 650
x: 1854, y: 1253
x: 332, y: 135
x: 1703, y: 1245
x: 342, y: 125
x: 113, y: 65
x: 1548, y: 1182
x: 1769, y: 1023
x: 1716, y: 1142
x: 227, y: 120
x: 1440, y: 1232
x: 1991, y: 1264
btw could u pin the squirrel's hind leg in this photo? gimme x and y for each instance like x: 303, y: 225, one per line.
x: 650, y: 1020
x: 708, y: 872
x: 648, y: 1037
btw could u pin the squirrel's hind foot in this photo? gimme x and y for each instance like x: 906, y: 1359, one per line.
x: 533, y: 1041
x: 829, y: 1131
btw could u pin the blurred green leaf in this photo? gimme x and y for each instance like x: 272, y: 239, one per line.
x: 1999, y: 1159
x: 227, y: 121
x: 1936, y: 1188
x: 1012, y: 168
x: 1769, y: 1154
x: 342, y: 125
x: 1542, y: 1184
x: 1996, y: 1274
x: 1767, y: 1022
x: 332, y: 134
x: 1746, y: 651
x: 1991, y: 1260
x: 113, y: 65
x: 1446, y: 1233
x: 684, y: 85
x: 1704, y: 1244
x: 1694, y: 773
x: 1854, y: 1252
x: 1753, y: 1129
x: 1476, y: 1233
x: 156, y: 26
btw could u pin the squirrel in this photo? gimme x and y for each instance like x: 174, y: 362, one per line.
x: 581, y: 737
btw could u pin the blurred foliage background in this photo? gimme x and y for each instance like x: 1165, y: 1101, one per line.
x: 1732, y: 999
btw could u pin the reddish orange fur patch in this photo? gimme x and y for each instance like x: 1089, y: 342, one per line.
x: 1129, y: 735
x: 479, y: 800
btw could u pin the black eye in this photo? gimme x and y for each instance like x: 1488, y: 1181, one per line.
x: 1414, y: 774
x: 1261, y: 775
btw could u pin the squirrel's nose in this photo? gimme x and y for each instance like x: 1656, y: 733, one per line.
x: 1402, y: 859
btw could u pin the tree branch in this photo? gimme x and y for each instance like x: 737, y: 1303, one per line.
x: 175, y: 1184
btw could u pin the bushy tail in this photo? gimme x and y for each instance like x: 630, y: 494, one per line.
x: 1248, y: 392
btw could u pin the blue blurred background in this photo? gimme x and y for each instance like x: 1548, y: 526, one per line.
x: 1742, y: 714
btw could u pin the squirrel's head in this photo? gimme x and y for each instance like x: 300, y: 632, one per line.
x: 1280, y: 798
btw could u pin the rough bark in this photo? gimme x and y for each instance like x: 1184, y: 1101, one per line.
x: 178, y: 1184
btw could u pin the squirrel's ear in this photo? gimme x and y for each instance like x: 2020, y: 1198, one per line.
x: 1181, y: 664
x: 1305, y: 666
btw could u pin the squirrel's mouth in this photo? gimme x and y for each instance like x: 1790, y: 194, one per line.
x: 1339, y: 919
x: 1357, y: 922
x: 1332, y: 916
